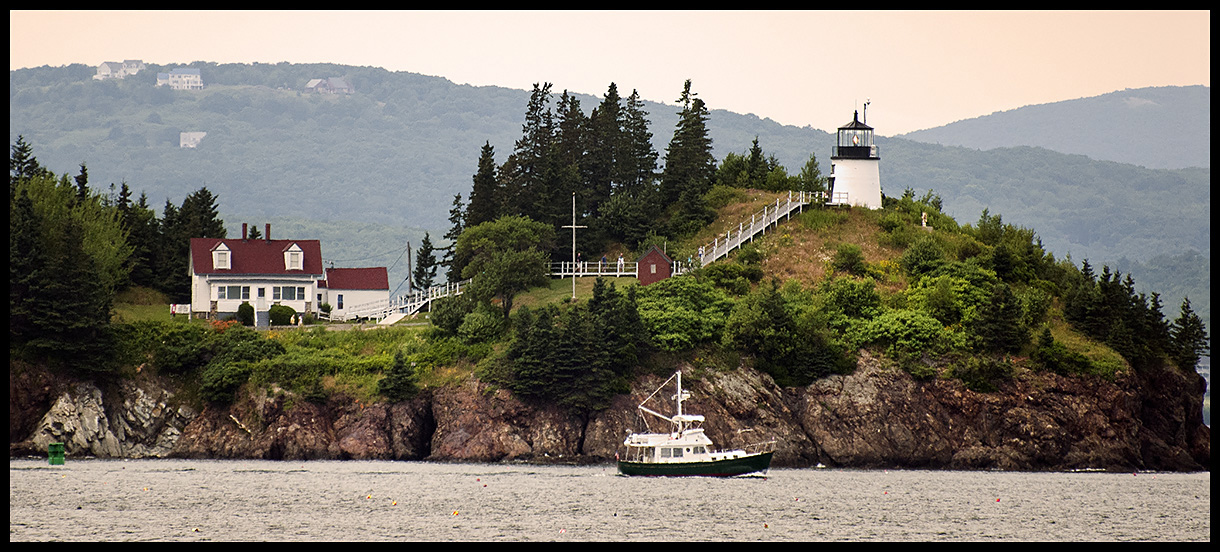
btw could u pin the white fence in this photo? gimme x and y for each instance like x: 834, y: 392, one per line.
x: 403, y: 304
x: 768, y: 217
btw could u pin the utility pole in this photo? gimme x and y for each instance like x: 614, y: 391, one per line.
x: 574, y: 227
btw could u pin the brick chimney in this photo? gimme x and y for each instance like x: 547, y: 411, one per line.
x: 267, y: 234
x: 243, y: 231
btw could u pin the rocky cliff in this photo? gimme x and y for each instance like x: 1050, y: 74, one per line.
x: 877, y: 417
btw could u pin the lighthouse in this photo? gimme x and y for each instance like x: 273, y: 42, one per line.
x: 855, y: 174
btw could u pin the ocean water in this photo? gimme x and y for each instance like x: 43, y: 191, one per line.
x: 239, y: 500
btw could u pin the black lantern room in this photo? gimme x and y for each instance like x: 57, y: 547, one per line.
x: 855, y: 140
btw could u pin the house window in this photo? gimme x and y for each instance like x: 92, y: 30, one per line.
x: 294, y: 258
x: 340, y: 307
x: 220, y: 258
x: 233, y: 292
x: 288, y: 293
x: 652, y: 268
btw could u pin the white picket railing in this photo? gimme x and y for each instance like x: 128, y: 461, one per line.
x: 768, y: 217
x: 404, y: 304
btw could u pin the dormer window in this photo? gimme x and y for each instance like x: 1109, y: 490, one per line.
x: 221, y: 259
x: 294, y: 258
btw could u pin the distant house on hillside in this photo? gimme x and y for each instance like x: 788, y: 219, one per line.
x: 349, y: 287
x: 333, y: 85
x: 190, y: 139
x: 263, y: 272
x: 181, y: 78
x: 116, y: 70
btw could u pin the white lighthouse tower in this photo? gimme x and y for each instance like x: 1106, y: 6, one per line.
x: 855, y: 174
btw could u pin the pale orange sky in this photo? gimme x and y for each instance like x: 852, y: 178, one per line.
x: 919, y: 69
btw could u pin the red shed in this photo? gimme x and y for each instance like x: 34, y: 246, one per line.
x: 653, y: 266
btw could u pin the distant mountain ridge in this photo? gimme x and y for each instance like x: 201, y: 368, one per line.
x: 1165, y: 127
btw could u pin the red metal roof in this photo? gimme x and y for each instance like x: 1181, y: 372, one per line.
x: 358, y: 278
x: 257, y: 256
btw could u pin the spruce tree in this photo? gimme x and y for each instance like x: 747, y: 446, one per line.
x: 605, y: 142
x: 400, y: 381
x: 82, y: 185
x: 1189, y: 338
x: 484, y: 196
x: 690, y: 167
x: 524, y: 176
x: 456, y: 225
x: 424, y: 274
x: 998, y: 325
x: 637, y: 162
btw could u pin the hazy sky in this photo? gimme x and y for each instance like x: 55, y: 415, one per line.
x: 919, y: 69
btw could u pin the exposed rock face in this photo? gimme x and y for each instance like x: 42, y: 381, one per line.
x: 139, y: 424
x: 876, y: 417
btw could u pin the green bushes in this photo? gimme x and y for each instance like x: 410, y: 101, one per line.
x: 245, y: 313
x: 400, y: 382
x: 681, y: 313
x: 281, y: 315
x: 850, y: 258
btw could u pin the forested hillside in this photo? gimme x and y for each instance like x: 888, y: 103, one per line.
x: 1159, y: 128
x: 399, y: 149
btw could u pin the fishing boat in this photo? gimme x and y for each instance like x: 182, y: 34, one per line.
x: 685, y: 449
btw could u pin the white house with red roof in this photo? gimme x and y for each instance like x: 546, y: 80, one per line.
x: 263, y: 272
x: 345, y: 288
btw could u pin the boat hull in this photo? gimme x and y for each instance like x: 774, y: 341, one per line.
x: 719, y: 468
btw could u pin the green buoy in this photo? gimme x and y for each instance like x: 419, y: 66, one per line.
x: 55, y: 454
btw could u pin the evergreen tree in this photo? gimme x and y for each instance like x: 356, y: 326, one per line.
x: 605, y: 142
x: 484, y: 194
x: 456, y: 225
x: 400, y: 381
x: 998, y: 325
x: 424, y: 274
x: 637, y: 162
x: 82, y: 185
x: 1189, y: 335
x: 532, y: 353
x: 143, y: 234
x: 22, y: 164
x: 756, y: 167
x: 689, y: 165
x: 198, y: 217
x: 26, y: 261
x: 70, y: 307
x: 810, y: 178
x: 524, y: 176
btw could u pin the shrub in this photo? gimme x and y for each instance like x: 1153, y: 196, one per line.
x: 850, y: 258
x: 982, y: 373
x: 245, y: 313
x: 924, y: 256
x: 220, y: 381
x: 448, y: 314
x: 851, y: 297
x: 480, y: 326
x: 400, y: 382
x: 680, y: 313
x: 183, y: 347
x: 904, y: 332
x: 281, y: 315
x: 1054, y: 356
